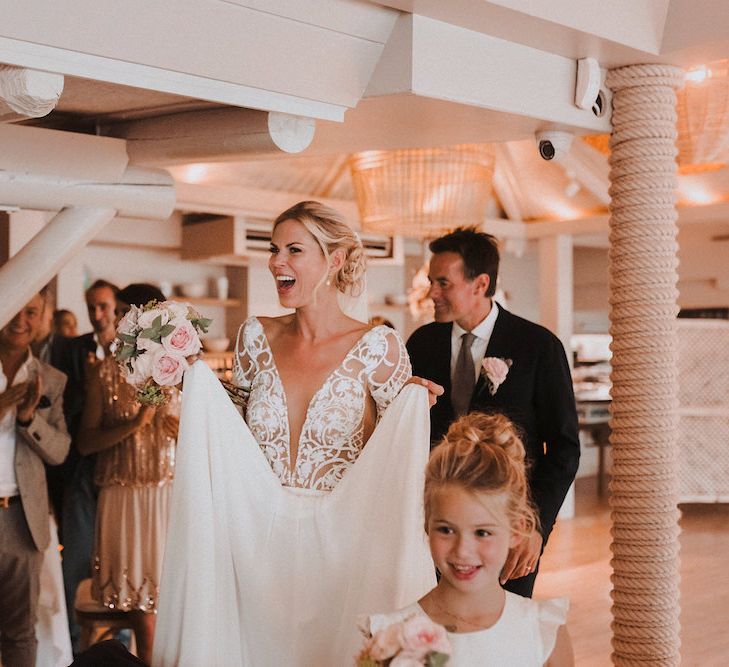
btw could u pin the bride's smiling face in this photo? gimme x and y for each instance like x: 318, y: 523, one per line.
x: 297, y: 263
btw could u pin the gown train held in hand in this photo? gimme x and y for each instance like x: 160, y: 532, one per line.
x: 263, y: 575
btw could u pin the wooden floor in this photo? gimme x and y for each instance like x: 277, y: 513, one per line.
x: 576, y: 563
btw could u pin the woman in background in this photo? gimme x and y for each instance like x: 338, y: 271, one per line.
x: 135, y: 447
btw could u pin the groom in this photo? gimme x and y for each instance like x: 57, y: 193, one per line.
x: 489, y: 360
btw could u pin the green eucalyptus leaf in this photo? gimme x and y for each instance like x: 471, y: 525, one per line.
x: 202, y: 323
x: 127, y: 352
x: 166, y: 330
x: 436, y: 659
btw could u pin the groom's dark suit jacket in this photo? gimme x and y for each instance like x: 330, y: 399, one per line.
x: 537, y: 396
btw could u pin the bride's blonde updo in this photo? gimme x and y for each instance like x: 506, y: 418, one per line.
x: 331, y: 232
x: 483, y: 453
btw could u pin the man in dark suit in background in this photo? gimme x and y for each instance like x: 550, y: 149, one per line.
x: 489, y: 360
x: 83, y: 353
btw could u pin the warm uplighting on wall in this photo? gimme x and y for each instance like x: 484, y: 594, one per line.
x: 696, y: 194
x: 195, y: 173
x: 422, y: 192
x: 698, y: 75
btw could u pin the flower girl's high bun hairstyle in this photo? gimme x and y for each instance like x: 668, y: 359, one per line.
x: 330, y: 230
x: 483, y: 453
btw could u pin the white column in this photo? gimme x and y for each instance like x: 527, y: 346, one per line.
x: 556, y: 287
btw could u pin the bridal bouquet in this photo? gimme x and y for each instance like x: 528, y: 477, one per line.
x: 152, y: 343
x: 413, y: 642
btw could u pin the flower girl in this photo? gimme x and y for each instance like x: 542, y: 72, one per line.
x: 476, y: 509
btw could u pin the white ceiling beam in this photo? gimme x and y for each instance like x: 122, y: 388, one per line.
x: 148, y: 194
x: 619, y: 32
x: 27, y: 93
x: 451, y: 63
x: 213, y: 135
x: 71, y: 63
x: 66, y: 155
x: 208, y: 49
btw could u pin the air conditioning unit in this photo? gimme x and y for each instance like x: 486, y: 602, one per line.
x: 232, y: 240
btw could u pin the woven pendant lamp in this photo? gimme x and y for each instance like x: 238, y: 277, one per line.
x: 422, y: 192
x: 703, y: 121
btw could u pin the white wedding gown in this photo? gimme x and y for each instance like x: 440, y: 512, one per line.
x: 259, y: 574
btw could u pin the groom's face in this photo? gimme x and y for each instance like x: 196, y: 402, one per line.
x: 455, y: 297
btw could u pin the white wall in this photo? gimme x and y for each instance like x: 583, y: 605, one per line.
x: 118, y: 254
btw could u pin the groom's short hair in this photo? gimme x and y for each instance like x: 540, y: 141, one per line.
x: 479, y: 251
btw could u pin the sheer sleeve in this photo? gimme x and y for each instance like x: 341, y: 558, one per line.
x: 391, y: 370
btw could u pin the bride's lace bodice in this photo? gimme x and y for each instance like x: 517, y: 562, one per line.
x: 332, y: 435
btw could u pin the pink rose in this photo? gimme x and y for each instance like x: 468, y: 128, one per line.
x: 168, y: 369
x: 496, y: 370
x: 183, y: 341
x: 385, y: 643
x: 420, y: 636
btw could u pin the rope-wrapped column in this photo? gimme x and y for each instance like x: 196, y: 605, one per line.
x: 643, y: 309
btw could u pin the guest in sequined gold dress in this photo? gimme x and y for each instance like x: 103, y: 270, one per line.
x: 135, y: 448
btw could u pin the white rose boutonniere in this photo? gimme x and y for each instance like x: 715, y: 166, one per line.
x: 495, y: 369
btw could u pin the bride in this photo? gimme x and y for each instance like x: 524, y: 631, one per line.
x: 286, y: 527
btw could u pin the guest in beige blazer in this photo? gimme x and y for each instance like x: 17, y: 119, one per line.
x: 32, y: 432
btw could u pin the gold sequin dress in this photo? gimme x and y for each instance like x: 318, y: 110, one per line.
x: 135, y: 480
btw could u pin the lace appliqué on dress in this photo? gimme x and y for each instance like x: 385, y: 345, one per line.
x: 332, y: 435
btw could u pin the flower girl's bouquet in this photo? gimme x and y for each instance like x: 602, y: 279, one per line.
x: 414, y: 642
x: 152, y: 345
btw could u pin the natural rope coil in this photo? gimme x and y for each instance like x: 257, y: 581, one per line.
x: 643, y: 310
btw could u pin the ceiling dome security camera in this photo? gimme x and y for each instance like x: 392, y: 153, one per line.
x: 553, y: 144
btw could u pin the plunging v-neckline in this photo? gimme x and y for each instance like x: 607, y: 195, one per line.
x: 274, y: 366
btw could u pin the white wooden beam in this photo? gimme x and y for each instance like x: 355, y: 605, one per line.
x: 459, y: 65
x: 148, y: 194
x: 71, y: 63
x: 45, y: 254
x: 27, y: 93
x: 215, y: 134
x: 67, y: 155
x: 312, y: 60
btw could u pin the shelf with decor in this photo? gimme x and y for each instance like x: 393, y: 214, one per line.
x: 210, y: 301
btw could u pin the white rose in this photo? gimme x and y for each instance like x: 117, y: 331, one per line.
x: 177, y: 310
x: 128, y: 323
x: 141, y: 369
x: 148, y: 344
x: 147, y: 318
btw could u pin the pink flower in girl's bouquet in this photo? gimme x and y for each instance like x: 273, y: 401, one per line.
x: 385, y: 643
x: 415, y: 642
x: 183, y: 341
x: 421, y: 636
x: 495, y: 369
